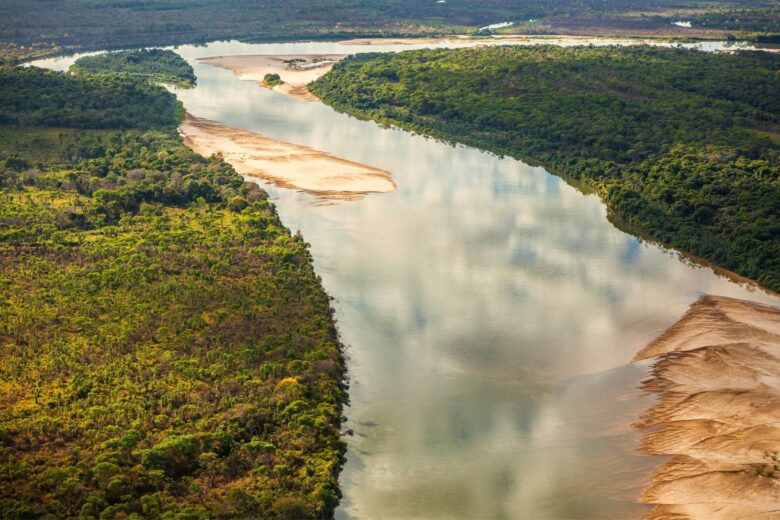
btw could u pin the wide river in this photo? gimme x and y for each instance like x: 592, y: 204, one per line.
x: 490, y: 313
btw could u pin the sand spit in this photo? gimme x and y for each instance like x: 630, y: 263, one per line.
x: 717, y: 375
x: 297, y: 71
x: 285, y: 164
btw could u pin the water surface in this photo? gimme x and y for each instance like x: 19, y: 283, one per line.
x: 490, y: 313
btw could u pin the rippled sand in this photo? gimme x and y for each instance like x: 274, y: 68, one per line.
x: 717, y: 375
x: 296, y: 70
x: 285, y: 164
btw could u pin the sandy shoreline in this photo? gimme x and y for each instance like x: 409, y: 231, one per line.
x: 717, y: 375
x: 285, y: 164
x: 296, y: 70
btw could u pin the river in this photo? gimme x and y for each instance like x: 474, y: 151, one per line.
x: 490, y: 313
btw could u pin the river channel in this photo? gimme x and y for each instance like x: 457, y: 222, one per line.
x: 490, y: 313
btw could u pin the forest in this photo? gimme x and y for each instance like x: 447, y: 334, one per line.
x: 32, y: 97
x: 164, y: 66
x: 683, y: 146
x: 35, y: 27
x: 166, y: 349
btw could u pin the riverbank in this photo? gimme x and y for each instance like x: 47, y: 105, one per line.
x: 717, y: 375
x: 285, y: 164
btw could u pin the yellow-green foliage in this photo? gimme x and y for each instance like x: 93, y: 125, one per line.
x: 166, y: 349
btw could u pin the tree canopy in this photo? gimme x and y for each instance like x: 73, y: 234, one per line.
x: 159, y: 65
x: 166, y: 349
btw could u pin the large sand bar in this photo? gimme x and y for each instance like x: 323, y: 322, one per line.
x: 297, y: 71
x: 717, y: 375
x: 285, y: 164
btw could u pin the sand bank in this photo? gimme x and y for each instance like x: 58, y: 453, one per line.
x: 717, y: 375
x: 285, y: 164
x: 402, y: 41
x: 504, y: 39
x: 297, y: 71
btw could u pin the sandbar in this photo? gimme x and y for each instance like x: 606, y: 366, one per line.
x: 285, y: 164
x: 295, y: 70
x: 717, y: 377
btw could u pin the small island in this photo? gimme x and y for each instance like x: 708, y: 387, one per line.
x: 158, y: 65
x: 272, y: 80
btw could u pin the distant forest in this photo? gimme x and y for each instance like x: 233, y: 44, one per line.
x: 682, y: 145
x: 68, y: 24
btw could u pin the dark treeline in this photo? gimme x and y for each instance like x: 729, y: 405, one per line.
x: 37, y: 97
x: 166, y: 349
x: 155, y: 64
x: 682, y: 145
x: 121, y: 23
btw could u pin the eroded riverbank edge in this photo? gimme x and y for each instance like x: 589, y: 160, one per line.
x: 717, y: 377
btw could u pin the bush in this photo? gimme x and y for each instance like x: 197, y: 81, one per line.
x: 177, y: 455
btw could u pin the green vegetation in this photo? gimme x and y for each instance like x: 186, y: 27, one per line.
x: 34, y: 97
x: 682, y: 145
x: 166, y: 349
x: 271, y: 80
x: 159, y: 65
x: 741, y: 18
x: 36, y: 26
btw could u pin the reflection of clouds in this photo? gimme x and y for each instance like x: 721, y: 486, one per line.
x: 527, y: 455
x: 476, y: 300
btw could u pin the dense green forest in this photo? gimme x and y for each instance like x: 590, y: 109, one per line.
x: 166, y: 349
x: 682, y: 145
x: 34, y: 97
x: 762, y: 20
x: 160, y: 65
x: 40, y: 26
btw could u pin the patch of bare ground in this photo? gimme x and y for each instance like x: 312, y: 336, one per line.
x: 296, y: 71
x: 717, y: 376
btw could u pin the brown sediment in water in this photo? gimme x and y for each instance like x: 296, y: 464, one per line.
x: 285, y: 164
x: 717, y: 375
x: 295, y: 70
